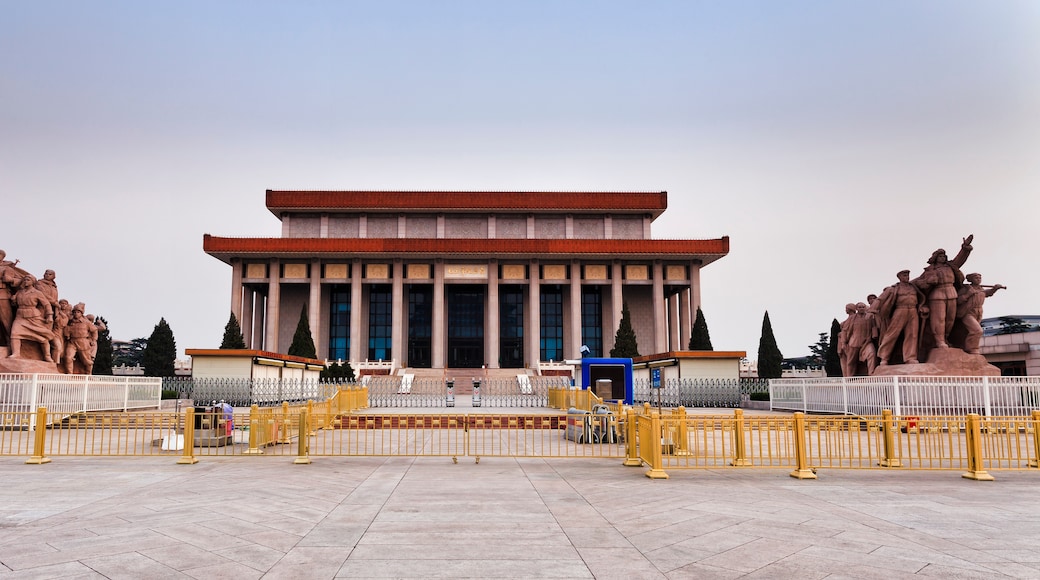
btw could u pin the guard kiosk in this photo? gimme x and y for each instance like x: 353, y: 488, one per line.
x: 595, y: 372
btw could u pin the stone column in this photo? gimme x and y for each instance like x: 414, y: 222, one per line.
x: 617, y: 302
x: 256, y: 342
x: 274, y: 299
x: 491, y: 337
x: 572, y: 346
x: 314, y: 310
x: 357, y: 342
x: 246, y: 322
x: 439, y: 347
x: 685, y: 324
x: 236, y: 290
x: 660, y: 316
x: 695, y: 286
x: 533, y: 332
x: 673, y: 323
x: 397, y: 313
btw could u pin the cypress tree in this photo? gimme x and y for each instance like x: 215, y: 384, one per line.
x: 233, y: 335
x: 770, y: 360
x: 338, y: 373
x: 625, y: 343
x: 699, y: 337
x: 302, y: 343
x: 833, y: 362
x: 161, y: 353
x: 103, y: 359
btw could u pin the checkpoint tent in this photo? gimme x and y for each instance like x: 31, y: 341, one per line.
x: 617, y: 370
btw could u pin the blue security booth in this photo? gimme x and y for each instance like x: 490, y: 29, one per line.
x: 596, y: 371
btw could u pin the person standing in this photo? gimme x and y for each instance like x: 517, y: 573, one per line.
x: 939, y: 283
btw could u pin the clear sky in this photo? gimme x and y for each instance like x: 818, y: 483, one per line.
x: 835, y: 142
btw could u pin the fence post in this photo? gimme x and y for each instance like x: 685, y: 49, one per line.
x: 631, y: 439
x: 888, y: 430
x: 34, y: 398
x: 284, y: 423
x: 39, y: 441
x: 188, y: 457
x: 803, y: 470
x: 126, y: 394
x: 254, y: 431
x: 898, y: 404
x: 986, y: 400
x: 740, y: 454
x: 302, y: 452
x: 1035, y: 461
x: 974, y: 435
x: 310, y: 413
x: 656, y: 461
x: 682, y: 432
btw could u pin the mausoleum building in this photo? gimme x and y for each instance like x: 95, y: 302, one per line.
x: 452, y: 279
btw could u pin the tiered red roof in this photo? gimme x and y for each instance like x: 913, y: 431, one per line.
x: 226, y: 248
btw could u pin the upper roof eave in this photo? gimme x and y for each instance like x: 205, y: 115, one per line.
x: 654, y: 203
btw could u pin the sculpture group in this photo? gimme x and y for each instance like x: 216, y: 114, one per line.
x: 916, y: 321
x: 40, y: 332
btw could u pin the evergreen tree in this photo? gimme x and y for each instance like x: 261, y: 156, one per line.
x: 699, y: 337
x: 819, y: 351
x: 103, y: 359
x: 233, y: 335
x: 833, y: 363
x: 161, y: 353
x: 340, y: 373
x: 302, y: 343
x: 770, y: 361
x: 625, y: 343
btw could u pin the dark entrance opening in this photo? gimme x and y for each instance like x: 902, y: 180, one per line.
x: 420, y: 326
x: 465, y: 326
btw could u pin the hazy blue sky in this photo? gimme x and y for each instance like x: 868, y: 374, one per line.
x: 836, y: 143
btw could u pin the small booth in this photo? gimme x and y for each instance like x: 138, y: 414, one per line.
x: 252, y: 364
x: 609, y: 378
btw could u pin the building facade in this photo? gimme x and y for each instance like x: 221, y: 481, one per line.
x: 465, y: 279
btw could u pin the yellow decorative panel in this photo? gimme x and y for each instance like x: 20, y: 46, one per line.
x: 295, y: 271
x: 513, y: 272
x: 377, y: 271
x: 554, y: 272
x: 336, y: 270
x: 675, y: 272
x: 596, y: 272
x: 465, y: 271
x: 637, y: 273
x: 418, y: 271
x: 256, y: 270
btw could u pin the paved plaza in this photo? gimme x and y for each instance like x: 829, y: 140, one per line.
x: 263, y: 517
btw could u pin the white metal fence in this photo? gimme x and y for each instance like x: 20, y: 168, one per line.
x: 20, y: 393
x: 987, y: 396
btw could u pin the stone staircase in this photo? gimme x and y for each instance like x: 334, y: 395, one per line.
x: 464, y: 377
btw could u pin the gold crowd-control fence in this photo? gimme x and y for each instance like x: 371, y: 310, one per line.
x: 661, y: 441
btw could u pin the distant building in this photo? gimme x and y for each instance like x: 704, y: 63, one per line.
x: 1015, y: 353
x: 464, y: 279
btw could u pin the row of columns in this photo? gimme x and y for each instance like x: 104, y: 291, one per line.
x: 671, y: 314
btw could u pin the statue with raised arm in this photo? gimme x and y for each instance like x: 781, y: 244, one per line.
x: 34, y: 319
x: 939, y: 283
x: 969, y: 309
x: 900, y: 306
x: 80, y: 337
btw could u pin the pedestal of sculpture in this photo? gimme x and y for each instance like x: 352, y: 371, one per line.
x: 943, y: 362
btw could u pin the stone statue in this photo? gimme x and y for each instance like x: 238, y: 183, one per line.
x: 34, y: 319
x: 9, y: 279
x: 969, y: 309
x: 62, y: 314
x: 939, y: 282
x: 49, y: 287
x: 843, y: 339
x: 899, y: 307
x: 80, y: 338
x: 862, y: 331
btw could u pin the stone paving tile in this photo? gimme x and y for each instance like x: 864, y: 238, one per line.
x: 463, y: 567
x: 308, y: 563
x: 183, y: 556
x: 132, y: 566
x: 754, y: 555
x: 254, y: 556
x: 704, y: 572
x: 65, y: 571
x: 227, y: 571
x: 619, y: 563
